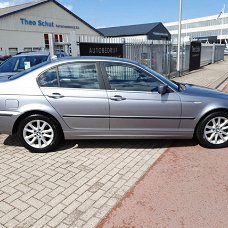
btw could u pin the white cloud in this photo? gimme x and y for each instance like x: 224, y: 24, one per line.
x: 69, y: 7
x: 4, y: 4
x: 104, y: 26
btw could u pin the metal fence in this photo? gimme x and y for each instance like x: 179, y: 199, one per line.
x: 210, y: 53
x: 158, y: 55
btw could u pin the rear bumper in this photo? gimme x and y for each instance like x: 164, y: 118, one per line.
x: 7, y: 120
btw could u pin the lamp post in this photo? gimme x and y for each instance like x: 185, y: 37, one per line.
x: 222, y: 22
x: 179, y: 39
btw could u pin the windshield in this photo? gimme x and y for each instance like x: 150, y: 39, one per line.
x: 21, y: 63
x: 28, y: 70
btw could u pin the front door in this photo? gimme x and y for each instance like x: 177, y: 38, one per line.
x: 136, y: 107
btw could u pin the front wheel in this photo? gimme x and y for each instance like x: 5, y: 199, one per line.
x: 39, y: 133
x: 212, y: 131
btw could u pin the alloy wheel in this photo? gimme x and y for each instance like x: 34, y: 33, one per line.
x: 216, y: 130
x: 38, y: 133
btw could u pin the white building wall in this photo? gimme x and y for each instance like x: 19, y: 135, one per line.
x: 201, y: 27
x: 27, y: 28
x: 20, y: 40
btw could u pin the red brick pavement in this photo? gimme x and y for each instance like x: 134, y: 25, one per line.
x: 186, y: 187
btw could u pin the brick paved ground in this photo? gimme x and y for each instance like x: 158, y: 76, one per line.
x: 73, y: 187
x: 209, y: 76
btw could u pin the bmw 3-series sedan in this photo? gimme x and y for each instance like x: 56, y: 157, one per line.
x: 98, y: 97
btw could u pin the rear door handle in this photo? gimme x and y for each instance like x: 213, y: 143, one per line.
x: 56, y: 95
x: 118, y: 98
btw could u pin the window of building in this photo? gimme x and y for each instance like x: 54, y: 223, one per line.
x: 13, y: 51
x: 37, y: 49
x: 27, y: 49
x: 46, y: 41
x: 58, y: 37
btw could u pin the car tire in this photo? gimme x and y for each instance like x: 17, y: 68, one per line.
x: 39, y: 133
x: 212, y: 131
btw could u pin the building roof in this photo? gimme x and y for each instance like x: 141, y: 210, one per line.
x: 14, y: 9
x: 129, y: 30
x: 152, y: 30
x: 7, y: 11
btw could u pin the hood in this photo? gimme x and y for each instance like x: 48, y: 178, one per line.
x: 203, y: 91
x: 7, y: 74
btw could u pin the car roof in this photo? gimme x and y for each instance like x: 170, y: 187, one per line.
x: 69, y: 59
x: 33, y: 53
x: 93, y: 58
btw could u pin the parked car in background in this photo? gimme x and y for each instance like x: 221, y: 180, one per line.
x: 4, y: 58
x: 60, y: 53
x: 21, y: 62
x: 101, y: 97
x: 226, y: 51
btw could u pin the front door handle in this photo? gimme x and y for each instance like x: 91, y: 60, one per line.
x: 56, y: 95
x: 118, y: 98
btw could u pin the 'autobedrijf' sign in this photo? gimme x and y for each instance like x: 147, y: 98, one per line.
x: 101, y: 49
x: 195, y: 54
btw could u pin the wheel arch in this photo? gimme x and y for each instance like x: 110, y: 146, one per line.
x: 207, y: 114
x: 34, y: 112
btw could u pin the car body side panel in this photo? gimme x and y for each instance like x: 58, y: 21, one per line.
x: 82, y: 110
x: 9, y: 112
x: 198, y: 102
x: 144, y: 112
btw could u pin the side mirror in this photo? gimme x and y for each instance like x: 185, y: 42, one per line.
x: 162, y: 89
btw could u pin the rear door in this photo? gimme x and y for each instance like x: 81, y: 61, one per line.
x: 77, y: 93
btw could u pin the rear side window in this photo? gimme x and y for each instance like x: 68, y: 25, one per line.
x: 49, y: 78
x: 73, y: 75
x: 79, y: 75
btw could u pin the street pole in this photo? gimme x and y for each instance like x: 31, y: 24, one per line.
x: 179, y: 39
x: 222, y: 24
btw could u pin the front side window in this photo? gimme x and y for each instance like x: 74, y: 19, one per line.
x: 129, y: 78
x: 78, y: 75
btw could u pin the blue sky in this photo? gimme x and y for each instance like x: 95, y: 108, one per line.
x: 106, y: 13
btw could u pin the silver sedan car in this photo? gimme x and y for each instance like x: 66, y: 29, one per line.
x: 98, y: 97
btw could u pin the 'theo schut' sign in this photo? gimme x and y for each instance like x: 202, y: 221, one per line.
x: 101, y: 49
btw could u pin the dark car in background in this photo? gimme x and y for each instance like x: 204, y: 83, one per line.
x: 21, y: 62
x: 60, y: 53
x: 4, y: 58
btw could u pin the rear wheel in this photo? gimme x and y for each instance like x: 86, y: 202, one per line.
x: 212, y: 131
x: 39, y: 133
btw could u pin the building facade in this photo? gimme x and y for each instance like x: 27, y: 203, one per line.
x: 144, y: 32
x: 34, y: 26
x: 212, y: 29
